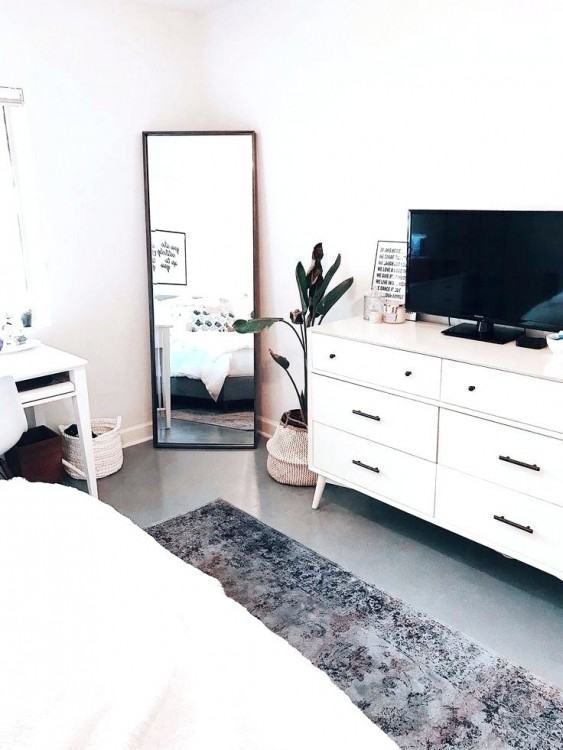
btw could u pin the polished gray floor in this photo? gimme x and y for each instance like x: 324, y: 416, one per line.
x: 505, y: 605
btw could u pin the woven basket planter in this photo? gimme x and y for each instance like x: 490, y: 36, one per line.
x: 287, y: 454
x: 108, y: 451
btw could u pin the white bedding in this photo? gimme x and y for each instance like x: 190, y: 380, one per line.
x: 109, y: 642
x: 210, y: 356
x: 242, y: 363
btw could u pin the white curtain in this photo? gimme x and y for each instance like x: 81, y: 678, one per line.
x: 13, y: 281
x: 22, y: 266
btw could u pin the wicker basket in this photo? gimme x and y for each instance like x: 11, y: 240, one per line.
x: 108, y: 451
x: 287, y: 454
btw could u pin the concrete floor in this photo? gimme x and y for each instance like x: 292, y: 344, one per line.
x: 507, y: 606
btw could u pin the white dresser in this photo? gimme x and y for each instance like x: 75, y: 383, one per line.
x: 464, y: 434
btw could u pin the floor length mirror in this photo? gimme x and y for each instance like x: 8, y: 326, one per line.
x: 201, y: 236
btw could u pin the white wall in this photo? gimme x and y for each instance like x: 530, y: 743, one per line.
x: 96, y: 73
x: 365, y: 108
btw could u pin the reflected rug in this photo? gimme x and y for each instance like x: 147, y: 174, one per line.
x: 429, y: 687
x: 235, y: 420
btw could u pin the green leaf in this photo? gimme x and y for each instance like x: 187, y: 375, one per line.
x: 326, y: 281
x: 301, y: 277
x: 330, y: 299
x: 282, y: 361
x: 254, y: 325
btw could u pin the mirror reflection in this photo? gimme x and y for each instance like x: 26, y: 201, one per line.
x: 201, y: 234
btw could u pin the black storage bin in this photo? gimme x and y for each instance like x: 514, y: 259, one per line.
x: 37, y: 456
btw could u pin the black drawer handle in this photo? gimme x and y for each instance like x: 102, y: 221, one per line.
x: 366, y: 415
x: 471, y: 388
x: 533, y: 467
x: 332, y: 356
x: 365, y: 466
x: 508, y: 522
x: 408, y: 373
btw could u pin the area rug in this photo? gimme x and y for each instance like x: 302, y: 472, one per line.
x: 429, y: 687
x: 235, y: 420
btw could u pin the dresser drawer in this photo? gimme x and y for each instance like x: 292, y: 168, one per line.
x: 391, y: 368
x: 516, y: 397
x: 521, y: 460
x: 381, y: 471
x: 470, y: 505
x: 395, y: 421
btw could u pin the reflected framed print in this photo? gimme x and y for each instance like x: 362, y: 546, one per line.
x: 168, y: 251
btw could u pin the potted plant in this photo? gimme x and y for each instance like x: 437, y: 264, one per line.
x: 287, y: 449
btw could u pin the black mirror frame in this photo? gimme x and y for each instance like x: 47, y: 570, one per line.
x: 145, y: 135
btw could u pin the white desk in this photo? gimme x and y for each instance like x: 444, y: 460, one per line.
x: 45, y: 360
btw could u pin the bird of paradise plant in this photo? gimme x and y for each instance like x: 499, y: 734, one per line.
x: 315, y: 302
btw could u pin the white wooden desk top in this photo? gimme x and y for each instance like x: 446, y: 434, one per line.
x: 35, y: 363
x: 427, y: 338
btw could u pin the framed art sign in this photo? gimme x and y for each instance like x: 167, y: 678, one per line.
x: 169, y: 257
x: 390, y: 270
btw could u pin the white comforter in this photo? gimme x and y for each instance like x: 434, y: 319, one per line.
x: 208, y: 356
x: 109, y: 642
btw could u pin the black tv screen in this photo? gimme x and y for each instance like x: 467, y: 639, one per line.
x: 505, y: 266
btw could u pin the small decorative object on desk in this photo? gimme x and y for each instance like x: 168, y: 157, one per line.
x: 373, y: 307
x: 12, y: 336
x: 393, y: 311
x: 12, y: 348
x: 555, y: 342
x: 7, y: 330
x: 26, y: 319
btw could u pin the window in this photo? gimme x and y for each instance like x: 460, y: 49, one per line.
x: 15, y: 291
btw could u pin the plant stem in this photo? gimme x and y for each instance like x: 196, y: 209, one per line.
x: 304, y: 337
x: 305, y: 375
x: 295, y: 332
x: 303, y: 343
x: 299, y: 400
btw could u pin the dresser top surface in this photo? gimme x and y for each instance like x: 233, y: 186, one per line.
x: 426, y: 338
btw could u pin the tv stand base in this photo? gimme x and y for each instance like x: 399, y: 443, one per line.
x: 483, y: 331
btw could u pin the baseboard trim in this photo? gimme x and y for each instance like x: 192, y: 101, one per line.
x: 266, y: 427
x: 138, y: 433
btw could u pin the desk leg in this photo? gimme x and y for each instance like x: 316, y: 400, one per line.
x: 39, y: 415
x: 30, y: 416
x: 82, y: 415
x: 35, y: 415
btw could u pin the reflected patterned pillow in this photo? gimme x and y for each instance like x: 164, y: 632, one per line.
x: 208, y: 319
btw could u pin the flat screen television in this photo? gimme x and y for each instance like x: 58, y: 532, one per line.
x: 501, y: 267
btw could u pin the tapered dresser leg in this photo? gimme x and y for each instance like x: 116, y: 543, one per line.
x: 319, y: 489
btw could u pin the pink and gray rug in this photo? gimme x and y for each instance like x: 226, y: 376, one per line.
x: 427, y: 686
